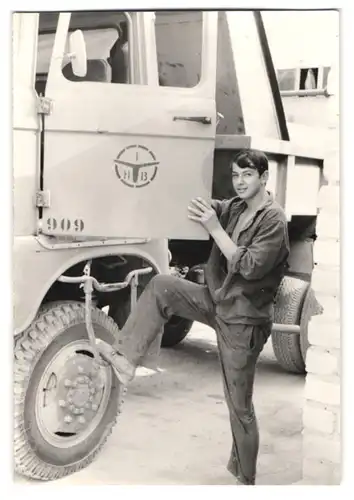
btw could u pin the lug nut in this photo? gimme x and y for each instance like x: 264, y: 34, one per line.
x: 82, y: 420
x: 77, y: 411
x: 68, y: 419
x: 94, y: 407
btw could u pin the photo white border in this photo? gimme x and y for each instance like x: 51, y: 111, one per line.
x: 9, y: 490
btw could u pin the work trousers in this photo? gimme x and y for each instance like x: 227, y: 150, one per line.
x: 239, y: 346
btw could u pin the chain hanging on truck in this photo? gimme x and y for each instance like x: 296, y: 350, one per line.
x: 89, y: 284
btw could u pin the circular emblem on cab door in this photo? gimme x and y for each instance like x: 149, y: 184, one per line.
x: 136, y: 166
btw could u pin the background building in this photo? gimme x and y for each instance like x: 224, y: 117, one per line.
x: 305, y: 49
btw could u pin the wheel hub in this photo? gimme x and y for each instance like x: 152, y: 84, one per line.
x: 79, y: 396
x: 72, y: 395
x: 79, y: 393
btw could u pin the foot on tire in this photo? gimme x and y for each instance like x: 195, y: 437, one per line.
x: 123, y: 369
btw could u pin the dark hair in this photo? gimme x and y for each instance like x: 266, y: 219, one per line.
x: 250, y: 158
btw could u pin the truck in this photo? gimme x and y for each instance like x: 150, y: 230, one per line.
x: 119, y: 120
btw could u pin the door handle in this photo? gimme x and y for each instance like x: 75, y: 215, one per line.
x: 206, y: 120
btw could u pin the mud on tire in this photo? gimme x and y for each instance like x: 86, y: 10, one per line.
x: 56, y: 328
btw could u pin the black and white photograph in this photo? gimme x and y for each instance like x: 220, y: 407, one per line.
x: 176, y: 246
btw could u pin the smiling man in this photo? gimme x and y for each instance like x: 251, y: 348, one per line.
x: 245, y: 267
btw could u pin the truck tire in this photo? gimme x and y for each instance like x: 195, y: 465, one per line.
x: 175, y: 331
x: 288, y: 310
x: 64, y: 410
x: 311, y: 307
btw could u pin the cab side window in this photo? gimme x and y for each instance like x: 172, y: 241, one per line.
x: 106, y: 37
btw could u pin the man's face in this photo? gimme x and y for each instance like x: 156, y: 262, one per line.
x: 247, y: 182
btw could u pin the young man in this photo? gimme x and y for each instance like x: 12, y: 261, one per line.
x: 245, y: 268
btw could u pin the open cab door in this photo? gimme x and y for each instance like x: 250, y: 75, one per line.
x: 124, y: 155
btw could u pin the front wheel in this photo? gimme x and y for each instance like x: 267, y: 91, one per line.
x: 64, y: 407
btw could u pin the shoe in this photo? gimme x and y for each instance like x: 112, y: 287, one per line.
x: 239, y: 482
x: 123, y: 369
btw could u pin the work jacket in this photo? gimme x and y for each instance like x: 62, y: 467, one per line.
x: 244, y: 289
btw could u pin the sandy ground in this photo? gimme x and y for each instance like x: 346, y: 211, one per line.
x: 174, y: 428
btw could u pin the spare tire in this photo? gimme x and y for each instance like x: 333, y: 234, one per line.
x: 290, y: 299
